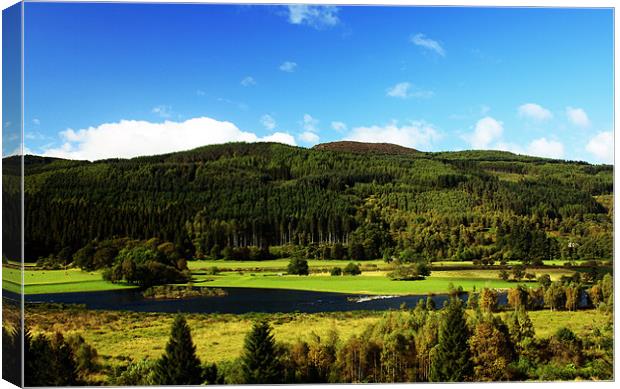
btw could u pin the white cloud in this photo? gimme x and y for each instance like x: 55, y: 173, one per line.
x: 164, y: 111
x: 316, y: 16
x: 309, y: 137
x: 534, y: 111
x: 405, y: 90
x: 36, y: 121
x: 578, y: 117
x: 268, y: 122
x: 339, y: 126
x: 541, y: 147
x: 248, y: 81
x: 546, y: 148
x: 310, y: 123
x: 602, y: 146
x: 130, y: 138
x: 428, y: 43
x: 487, y: 130
x: 288, y: 66
x: 416, y: 134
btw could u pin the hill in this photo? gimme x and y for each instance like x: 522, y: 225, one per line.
x: 441, y: 205
x: 365, y: 148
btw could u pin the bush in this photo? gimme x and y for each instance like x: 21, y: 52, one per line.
x: 336, y: 271
x: 352, y: 269
x: 417, y: 271
x: 298, y: 266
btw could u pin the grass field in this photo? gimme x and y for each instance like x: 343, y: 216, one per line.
x: 370, y: 282
x: 274, y: 264
x: 56, y: 281
x: 218, y: 337
x: 281, y: 264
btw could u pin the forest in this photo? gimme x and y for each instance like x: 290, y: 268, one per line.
x: 260, y: 200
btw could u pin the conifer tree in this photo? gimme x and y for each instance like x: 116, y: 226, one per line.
x: 451, y: 362
x: 260, y: 360
x: 179, y: 365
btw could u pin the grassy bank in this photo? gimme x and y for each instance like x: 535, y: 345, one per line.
x: 219, y: 337
x: 370, y: 282
x: 56, y: 281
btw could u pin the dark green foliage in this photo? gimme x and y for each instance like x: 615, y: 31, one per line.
x: 138, y: 373
x: 179, y: 365
x: 146, y: 263
x: 298, y: 266
x: 352, y: 269
x: 416, y: 271
x: 451, y: 362
x: 221, y: 200
x: 336, y: 271
x: 11, y: 346
x: 544, y: 280
x: 261, y: 358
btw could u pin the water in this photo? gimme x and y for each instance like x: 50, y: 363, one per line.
x: 237, y: 300
x: 242, y: 300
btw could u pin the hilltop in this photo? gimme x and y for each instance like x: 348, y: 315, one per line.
x: 365, y: 148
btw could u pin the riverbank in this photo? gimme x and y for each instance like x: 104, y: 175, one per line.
x: 119, y: 336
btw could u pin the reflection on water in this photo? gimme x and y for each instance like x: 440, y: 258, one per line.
x: 237, y: 300
x: 241, y: 300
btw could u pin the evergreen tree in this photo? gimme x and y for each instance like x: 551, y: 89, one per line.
x: 260, y: 359
x: 451, y: 362
x: 63, y: 368
x: 179, y: 365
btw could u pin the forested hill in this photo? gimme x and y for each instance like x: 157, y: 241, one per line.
x: 453, y: 205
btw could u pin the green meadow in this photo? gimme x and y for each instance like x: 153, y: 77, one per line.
x: 369, y: 282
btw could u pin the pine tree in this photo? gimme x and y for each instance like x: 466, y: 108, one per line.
x: 260, y: 360
x: 179, y: 365
x: 452, y: 359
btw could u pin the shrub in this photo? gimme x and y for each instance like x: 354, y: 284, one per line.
x: 298, y: 266
x: 416, y: 271
x: 336, y: 271
x: 352, y: 269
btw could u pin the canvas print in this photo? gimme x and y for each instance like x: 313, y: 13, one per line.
x: 222, y: 194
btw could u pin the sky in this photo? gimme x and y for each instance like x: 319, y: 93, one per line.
x: 121, y: 80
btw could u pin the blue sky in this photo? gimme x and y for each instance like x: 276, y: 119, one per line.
x: 105, y: 80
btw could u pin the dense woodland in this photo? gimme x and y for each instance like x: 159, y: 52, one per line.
x: 244, y: 200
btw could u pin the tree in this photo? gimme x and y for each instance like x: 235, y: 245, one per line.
x: 451, y: 362
x: 336, y: 271
x: 260, y: 361
x: 544, y: 280
x: 518, y: 272
x: 416, y: 271
x: 572, y: 296
x: 63, y: 365
x: 179, y: 364
x: 520, y: 328
x: 504, y: 275
x: 517, y: 297
x: 352, y: 269
x: 555, y: 298
x: 488, y: 300
x: 298, y: 266
x: 491, y: 350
